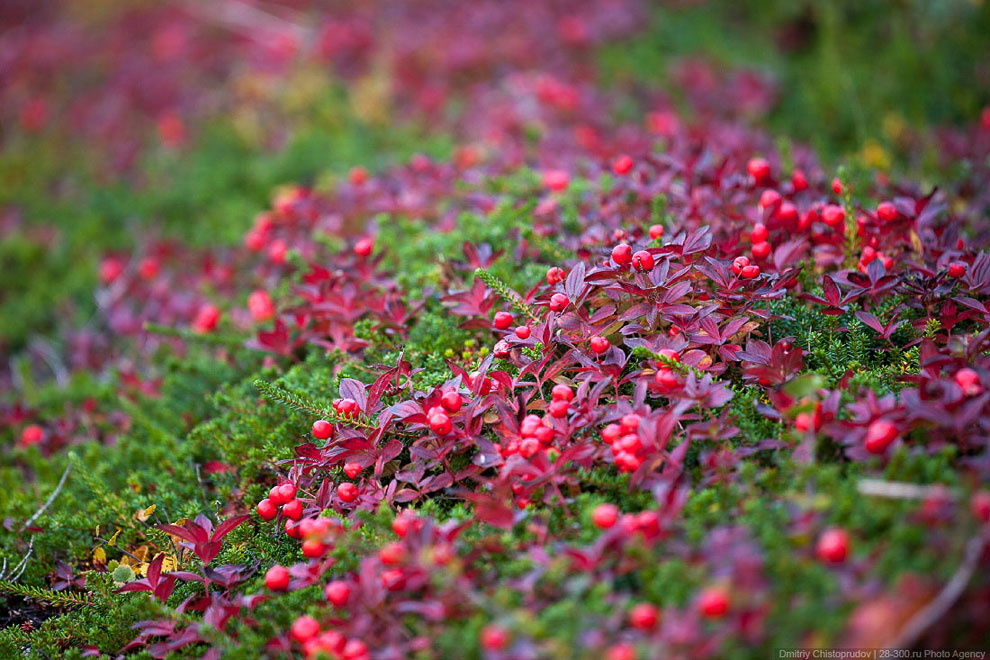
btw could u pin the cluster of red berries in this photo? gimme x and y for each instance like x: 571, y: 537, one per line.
x: 641, y: 260
x: 283, y: 495
x: 625, y: 442
x: 439, y: 416
x: 328, y: 643
x: 666, y: 379
x: 538, y: 433
x: 744, y: 269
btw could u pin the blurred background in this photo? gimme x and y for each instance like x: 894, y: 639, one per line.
x: 122, y: 122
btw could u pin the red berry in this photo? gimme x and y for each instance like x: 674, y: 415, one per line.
x: 260, y: 305
x: 556, y: 180
x: 666, y: 380
x: 451, y: 401
x: 769, y: 199
x: 267, y: 510
x: 599, y: 344
x: 313, y: 548
x: 293, y: 509
x: 644, y: 616
x: 401, y: 524
x: 304, y: 629
x: 364, y: 247
x: 355, y: 649
x: 713, y: 602
x: 277, y: 251
x: 622, y: 254
x: 392, y: 554
x: 799, y: 181
x: 629, y: 443
x: 980, y: 504
x: 969, y: 381
x: 656, y: 231
x: 759, y: 233
x: 110, y: 269
x: 622, y: 164
x: 286, y: 491
x: 322, y: 429
x: 277, y: 578
x: 352, y: 469
x: 358, y: 175
x: 558, y: 409
x: 761, y: 250
x: 503, y: 320
x: 739, y: 263
x: 32, y: 434
x: 611, y: 433
x: 751, y: 271
x: 630, y: 422
x: 787, y: 213
x: 833, y: 546
x: 207, y: 318
x: 957, y: 269
x: 559, y: 302
x: 837, y: 186
x: 879, y: 435
x: 522, y: 332
x: 337, y: 592
x: 605, y: 515
x: 293, y: 529
x: 621, y: 651
x: 440, y: 424
x: 275, y: 497
x: 643, y: 260
x: 555, y: 276
x: 494, y: 638
x: 886, y: 211
x: 148, y: 268
x: 833, y: 215
x: 759, y: 169
x: 347, y: 491
x: 561, y: 392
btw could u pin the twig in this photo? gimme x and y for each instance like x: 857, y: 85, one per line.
x: 51, y: 498
x: 899, y: 489
x: 936, y: 609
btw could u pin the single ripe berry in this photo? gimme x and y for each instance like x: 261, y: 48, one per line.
x: 605, y: 515
x: 787, y: 213
x: 559, y: 302
x: 957, y: 269
x: 621, y: 651
x: 643, y: 261
x: 110, y: 269
x: 148, y: 268
x: 769, y: 199
x: 622, y: 254
x: 833, y: 546
x: 293, y: 529
x: 555, y: 275
x: 494, y: 638
x: 322, y: 429
x: 630, y: 422
x: 352, y: 469
x: 622, y: 164
x: 980, y: 505
x: 286, y: 491
x: 207, y: 318
x: 304, y: 629
x: 522, y: 332
x: 503, y: 320
x: 364, y: 247
x: 759, y: 169
x: 277, y: 578
x: 644, y: 616
x: 561, y: 392
x: 713, y: 602
x: 358, y: 175
x: 761, y: 250
x: 799, y: 181
x: 969, y: 381
x: 337, y: 592
x: 401, y: 525
x: 392, y: 554
x: 879, y: 435
x: 666, y: 380
x: 32, y: 434
x: 886, y: 211
x: 837, y: 186
x: 599, y: 344
x: 759, y: 233
x: 556, y: 180
x: 260, y: 305
x: 656, y: 231
x: 833, y: 215
x: 347, y: 491
x: 267, y: 510
x: 611, y: 433
x: 751, y: 271
x: 441, y: 424
x: 558, y: 409
x: 739, y: 263
x: 277, y: 251
x: 293, y: 509
x: 313, y: 548
x: 451, y: 401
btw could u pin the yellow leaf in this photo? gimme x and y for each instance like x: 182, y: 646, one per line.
x: 113, y: 539
x: 99, y: 555
x: 144, y: 514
